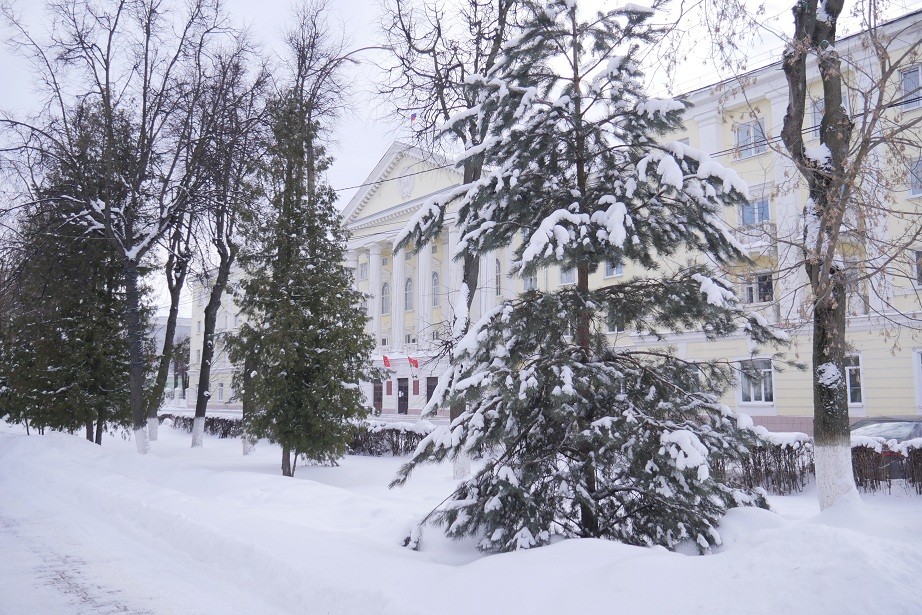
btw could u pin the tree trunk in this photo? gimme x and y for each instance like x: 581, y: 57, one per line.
x: 588, y: 517
x: 247, y: 441
x: 89, y: 429
x: 831, y: 435
x: 100, y: 424
x: 208, y: 347
x: 286, y: 461
x: 135, y: 357
x: 179, y: 270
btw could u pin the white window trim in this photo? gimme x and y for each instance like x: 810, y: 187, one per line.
x: 752, y: 280
x: 617, y: 270
x: 571, y: 272
x: 739, y: 388
x: 408, y: 295
x: 914, y: 193
x: 363, y: 271
x: 755, y: 148
x: 909, y: 104
x: 848, y: 392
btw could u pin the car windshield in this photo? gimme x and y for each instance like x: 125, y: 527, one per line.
x: 891, y: 430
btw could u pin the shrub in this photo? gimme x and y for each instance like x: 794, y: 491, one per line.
x: 782, y: 465
x: 378, y: 438
x: 220, y: 426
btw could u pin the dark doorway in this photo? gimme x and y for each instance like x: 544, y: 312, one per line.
x: 403, y: 395
x: 378, y: 396
x: 431, y: 383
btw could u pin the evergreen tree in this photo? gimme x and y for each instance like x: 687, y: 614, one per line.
x: 581, y: 438
x: 304, y: 334
x: 63, y: 347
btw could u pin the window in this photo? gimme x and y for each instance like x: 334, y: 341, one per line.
x: 363, y: 271
x: 236, y: 320
x: 912, y: 87
x: 364, y: 305
x: 435, y: 289
x: 407, y: 255
x: 435, y: 248
x: 384, y: 341
x: 384, y: 260
x: 385, y: 298
x: 853, y: 378
x: 915, y: 177
x: 613, y: 269
x: 750, y: 138
x: 198, y: 326
x: 226, y: 320
x: 759, y: 289
x: 855, y: 298
x: 756, y: 381
x: 415, y: 386
x: 567, y: 276
x: 198, y: 356
x: 755, y: 211
x: 390, y: 387
x: 220, y: 391
x: 409, y: 339
x: 817, y: 107
x: 614, y: 320
x: 530, y: 282
x: 408, y: 294
x: 499, y: 279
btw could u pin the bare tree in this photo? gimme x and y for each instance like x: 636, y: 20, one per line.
x: 434, y: 49
x: 850, y: 179
x: 235, y: 100
x: 137, y: 60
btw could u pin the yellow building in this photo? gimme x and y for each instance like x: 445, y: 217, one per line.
x: 413, y: 298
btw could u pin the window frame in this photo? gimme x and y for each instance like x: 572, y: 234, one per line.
x: 911, y: 100
x: 567, y: 276
x: 914, y: 178
x: 851, y: 369
x: 498, y: 279
x: 752, y: 287
x: 436, y: 289
x: 613, y: 270
x: 385, y: 298
x: 408, y: 302
x: 530, y: 282
x: 746, y: 384
x: 753, y: 146
x: 363, y: 271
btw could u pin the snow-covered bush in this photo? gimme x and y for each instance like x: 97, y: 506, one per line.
x: 781, y: 464
x: 223, y: 427
x: 912, y: 452
x: 378, y: 438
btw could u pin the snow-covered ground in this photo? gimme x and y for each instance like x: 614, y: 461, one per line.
x: 87, y: 529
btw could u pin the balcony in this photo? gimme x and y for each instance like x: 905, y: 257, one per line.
x: 757, y: 236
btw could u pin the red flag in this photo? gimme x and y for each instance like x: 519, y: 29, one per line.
x: 413, y: 362
x: 387, y: 362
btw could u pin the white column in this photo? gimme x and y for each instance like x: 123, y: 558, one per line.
x: 453, y: 276
x: 374, y: 282
x: 352, y: 262
x: 485, y: 282
x: 398, y: 307
x: 423, y: 295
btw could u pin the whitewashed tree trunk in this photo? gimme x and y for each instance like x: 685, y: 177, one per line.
x: 153, y: 428
x: 834, y: 479
x: 461, y: 466
x: 198, y: 431
x: 141, y: 440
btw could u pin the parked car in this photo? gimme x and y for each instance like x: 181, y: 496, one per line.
x: 892, y: 430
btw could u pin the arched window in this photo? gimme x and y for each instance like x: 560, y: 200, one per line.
x: 499, y: 279
x: 385, y: 298
x: 408, y: 294
x: 435, y: 289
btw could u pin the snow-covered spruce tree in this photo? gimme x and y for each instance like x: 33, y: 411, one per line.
x: 583, y: 439
x: 305, y: 331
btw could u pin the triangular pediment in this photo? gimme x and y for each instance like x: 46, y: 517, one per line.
x: 403, y: 175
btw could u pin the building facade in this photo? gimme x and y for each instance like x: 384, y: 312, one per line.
x: 412, y: 299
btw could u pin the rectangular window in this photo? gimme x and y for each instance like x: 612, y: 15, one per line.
x: 567, y: 276
x: 236, y: 320
x: 435, y: 248
x: 409, y: 339
x: 756, y: 381
x: 198, y: 356
x: 750, y: 138
x: 755, y: 211
x: 912, y: 87
x: 415, y: 387
x: 198, y: 326
x: 363, y: 271
x: 226, y: 321
x: 384, y: 341
x: 853, y: 379
x: 613, y: 269
x: 915, y: 177
x: 384, y: 260
x: 530, y: 282
x: 759, y: 289
x: 220, y: 391
x: 389, y: 386
x: 614, y: 321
